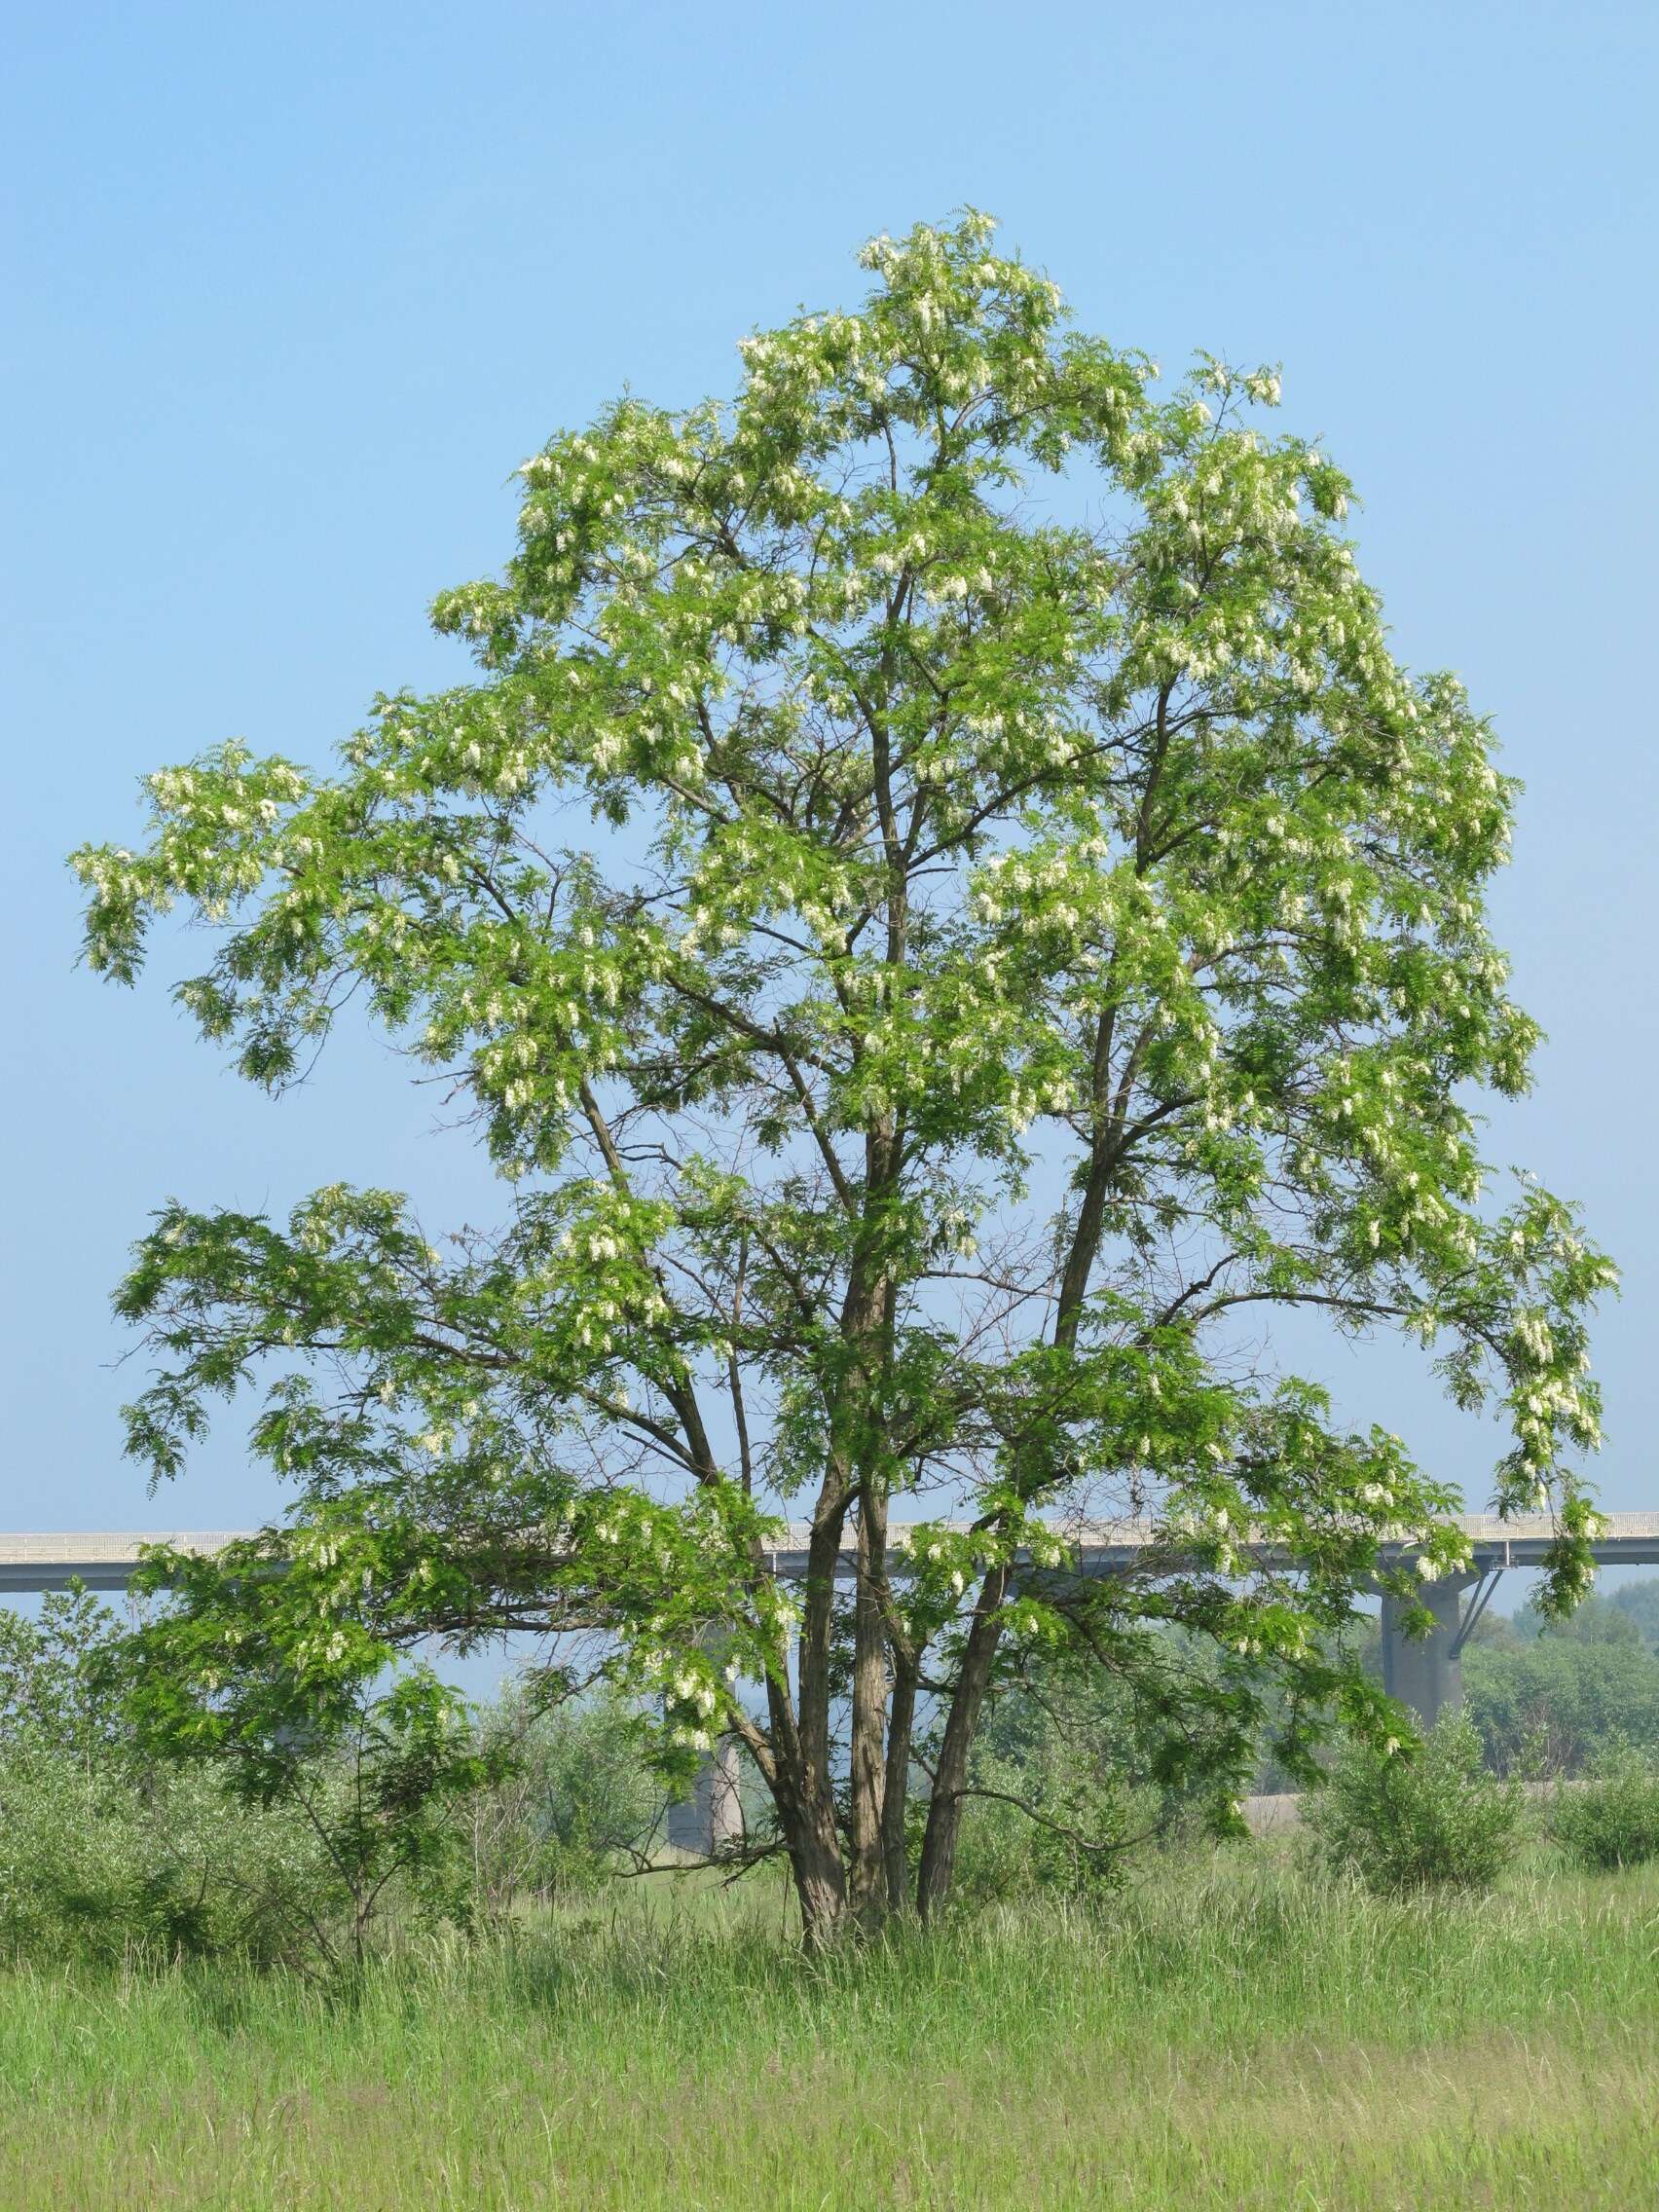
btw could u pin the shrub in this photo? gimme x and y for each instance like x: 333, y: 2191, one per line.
x: 1612, y: 1820
x: 1054, y: 1830
x: 97, y: 1863
x: 574, y: 1796
x: 107, y: 1847
x: 1416, y: 1819
x: 1053, y: 1796
x: 104, y: 1852
x: 1074, y: 1772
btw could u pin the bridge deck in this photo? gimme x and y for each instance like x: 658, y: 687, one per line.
x: 104, y: 1560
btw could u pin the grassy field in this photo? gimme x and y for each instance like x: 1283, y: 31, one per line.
x: 1230, y: 2033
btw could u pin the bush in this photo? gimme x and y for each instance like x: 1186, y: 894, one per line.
x: 1056, y: 1794
x: 575, y: 1796
x: 1410, y: 1820
x: 103, y: 1852
x: 1067, y: 1834
x: 107, y: 1848
x: 99, y: 1862
x: 1612, y: 1820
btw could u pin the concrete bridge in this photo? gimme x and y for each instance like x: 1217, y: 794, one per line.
x: 1425, y: 1673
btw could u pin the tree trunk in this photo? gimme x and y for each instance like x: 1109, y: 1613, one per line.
x: 867, y: 1873
x: 815, y: 1861
x: 806, y: 1815
x: 944, y: 1813
x: 895, y: 1797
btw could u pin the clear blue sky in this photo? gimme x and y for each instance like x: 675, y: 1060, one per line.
x: 290, y: 291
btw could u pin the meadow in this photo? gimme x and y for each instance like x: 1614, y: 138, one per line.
x: 1231, y: 2031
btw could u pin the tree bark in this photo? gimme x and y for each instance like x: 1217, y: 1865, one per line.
x: 895, y: 1786
x: 821, y: 1888
x: 868, y: 1774
x: 806, y: 1814
x: 950, y: 1776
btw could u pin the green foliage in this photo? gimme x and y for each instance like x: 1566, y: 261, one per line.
x: 105, y: 1853
x: 1639, y: 1601
x: 1077, y: 1767
x: 572, y: 1794
x: 100, y: 1862
x: 961, y: 840
x: 1418, y: 1818
x: 116, y: 1841
x: 50, y: 1688
x: 1564, y: 1700
x: 279, y: 1683
x: 1051, y: 1820
x: 1595, y: 1621
x: 1611, y: 1818
x: 117, y: 1833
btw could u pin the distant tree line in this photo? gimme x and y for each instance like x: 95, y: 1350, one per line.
x: 1559, y: 1697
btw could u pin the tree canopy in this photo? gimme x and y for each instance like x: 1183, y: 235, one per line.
x: 938, y: 897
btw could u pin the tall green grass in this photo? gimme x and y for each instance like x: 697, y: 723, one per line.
x: 1231, y: 2032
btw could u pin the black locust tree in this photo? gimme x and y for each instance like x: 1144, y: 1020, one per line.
x: 938, y: 901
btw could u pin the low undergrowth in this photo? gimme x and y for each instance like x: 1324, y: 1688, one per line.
x: 1612, y: 1819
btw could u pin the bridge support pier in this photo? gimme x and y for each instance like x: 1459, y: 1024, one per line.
x: 711, y: 1818
x: 1426, y: 1672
